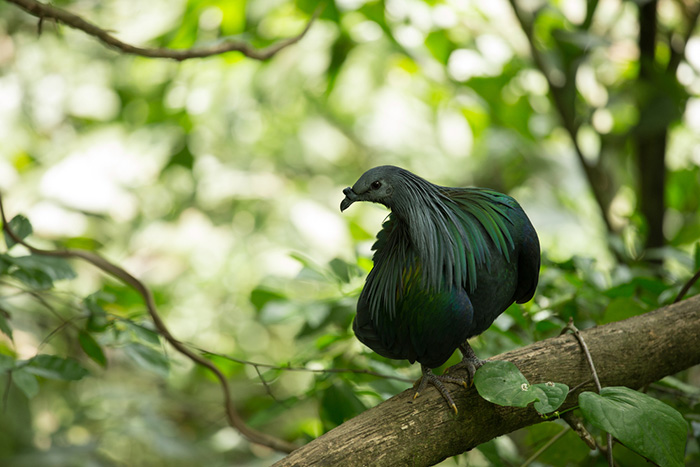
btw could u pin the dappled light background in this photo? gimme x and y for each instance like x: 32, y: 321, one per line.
x: 217, y: 181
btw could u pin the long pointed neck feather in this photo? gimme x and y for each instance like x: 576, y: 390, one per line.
x: 451, y: 232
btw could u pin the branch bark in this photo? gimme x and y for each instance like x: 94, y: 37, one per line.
x: 401, y: 431
x: 44, y: 11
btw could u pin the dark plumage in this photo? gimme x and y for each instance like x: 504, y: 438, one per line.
x: 447, y: 263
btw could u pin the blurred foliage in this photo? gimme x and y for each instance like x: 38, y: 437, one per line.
x: 217, y: 181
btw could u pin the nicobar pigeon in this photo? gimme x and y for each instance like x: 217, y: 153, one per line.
x: 447, y: 263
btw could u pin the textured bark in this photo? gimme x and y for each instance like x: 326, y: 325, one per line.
x: 402, y: 431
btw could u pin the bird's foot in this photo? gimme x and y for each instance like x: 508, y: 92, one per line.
x: 470, y: 362
x: 429, y: 377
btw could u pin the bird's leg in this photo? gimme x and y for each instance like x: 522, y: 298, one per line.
x: 470, y: 362
x: 437, y: 381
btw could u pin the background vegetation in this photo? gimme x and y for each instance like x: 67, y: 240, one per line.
x: 217, y: 182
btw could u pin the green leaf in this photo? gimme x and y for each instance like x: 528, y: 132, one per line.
x: 439, y: 44
x: 53, y: 367
x: 260, y: 296
x: 554, y: 396
x: 21, y: 227
x: 503, y: 384
x: 644, y: 424
x: 92, y: 348
x: 38, y: 271
x: 4, y: 325
x: 26, y: 382
x: 6, y: 363
x: 338, y: 404
x: 622, y: 308
x: 97, y: 317
x: 33, y: 278
x: 144, y: 333
x: 56, y: 268
x: 342, y: 269
x: 148, y: 358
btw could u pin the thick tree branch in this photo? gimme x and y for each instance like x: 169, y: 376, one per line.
x: 122, y: 275
x: 401, y: 431
x: 44, y: 11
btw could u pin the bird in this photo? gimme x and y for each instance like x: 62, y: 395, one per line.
x: 446, y: 263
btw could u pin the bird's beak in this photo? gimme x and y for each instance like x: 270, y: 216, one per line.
x: 350, y: 197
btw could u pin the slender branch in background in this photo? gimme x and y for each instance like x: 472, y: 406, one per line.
x: 577, y: 334
x: 687, y: 287
x: 546, y: 446
x: 691, y: 11
x: 577, y: 425
x: 122, y: 275
x: 567, y: 116
x: 301, y: 368
x: 6, y: 392
x: 44, y: 11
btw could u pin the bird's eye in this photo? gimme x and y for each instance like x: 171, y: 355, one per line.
x: 376, y: 185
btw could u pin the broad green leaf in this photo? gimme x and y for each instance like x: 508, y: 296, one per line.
x: 6, y: 363
x: 644, y: 424
x: 144, y: 333
x: 338, y: 404
x: 38, y: 271
x: 260, y: 296
x: 622, y: 308
x: 503, y: 384
x: 554, y: 396
x: 53, y: 367
x: 97, y: 319
x: 92, y: 348
x: 440, y: 45
x: 341, y: 269
x: 21, y: 227
x: 55, y: 268
x: 33, y: 278
x: 148, y: 358
x: 4, y: 325
x: 26, y: 382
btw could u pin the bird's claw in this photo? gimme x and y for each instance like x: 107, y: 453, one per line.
x: 469, y: 363
x: 438, y: 381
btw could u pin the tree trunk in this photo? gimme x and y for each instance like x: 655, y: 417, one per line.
x: 651, y: 142
x: 402, y: 431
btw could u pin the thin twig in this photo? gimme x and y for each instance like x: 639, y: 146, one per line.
x: 267, y: 387
x: 44, y: 11
x: 577, y: 425
x: 6, y: 393
x: 546, y: 446
x: 693, y: 14
x: 577, y: 334
x: 687, y: 287
x: 122, y: 275
x: 301, y: 368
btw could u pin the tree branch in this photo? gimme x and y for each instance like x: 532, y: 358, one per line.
x: 44, y: 11
x: 595, y: 177
x: 401, y: 431
x: 122, y: 275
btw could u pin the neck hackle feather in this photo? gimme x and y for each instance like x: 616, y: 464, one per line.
x: 443, y: 234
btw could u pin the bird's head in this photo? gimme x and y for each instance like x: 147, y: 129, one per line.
x: 377, y: 185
